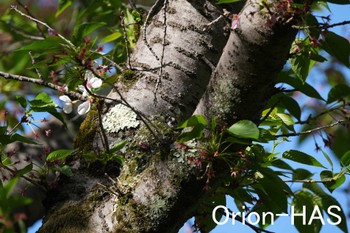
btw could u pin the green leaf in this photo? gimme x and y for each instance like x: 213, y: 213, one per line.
x: 66, y: 170
x: 301, y: 65
x: 198, y: 123
x: 301, y: 174
x: 298, y: 84
x: 244, y: 129
x: 136, y: 16
x: 48, y: 45
x: 337, y: 46
x: 292, y: 106
x: 5, y: 160
x: 44, y: 103
x: 6, y: 191
x: 301, y: 157
x: 326, y: 202
x: 281, y: 164
x: 328, y: 158
x: 338, y: 92
x: 25, y: 170
x: 22, y: 101
x: 265, y: 136
x: 194, y: 120
x: 345, y: 159
x: 59, y: 155
x: 43, y: 100
x: 7, y: 139
x: 85, y: 29
x: 90, y: 155
x: 117, y: 158
x: 303, y: 202
x: 20, y: 138
x: 111, y: 37
x: 118, y: 146
x: 286, y: 119
x: 62, y: 5
x: 196, y: 132
x: 272, y: 190
x: 332, y: 181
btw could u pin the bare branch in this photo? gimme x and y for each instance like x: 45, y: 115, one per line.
x: 313, y: 130
x: 311, y: 181
x: 322, y: 25
x: 14, y: 7
x: 42, y: 83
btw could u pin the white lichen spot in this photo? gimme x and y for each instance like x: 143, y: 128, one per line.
x: 119, y: 118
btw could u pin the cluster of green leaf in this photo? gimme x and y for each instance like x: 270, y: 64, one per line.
x: 259, y: 179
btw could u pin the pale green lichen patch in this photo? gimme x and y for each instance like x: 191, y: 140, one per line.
x: 119, y: 118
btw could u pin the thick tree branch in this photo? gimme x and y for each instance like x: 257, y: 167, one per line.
x: 158, y: 189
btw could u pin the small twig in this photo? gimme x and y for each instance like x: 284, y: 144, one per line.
x: 14, y: 7
x: 312, y: 130
x: 25, y: 35
x: 33, y: 63
x: 270, y: 111
x: 42, y: 83
x: 125, y: 39
x: 318, y: 115
x: 108, y: 189
x: 322, y: 25
x: 121, y: 69
x: 23, y: 119
x: 310, y: 181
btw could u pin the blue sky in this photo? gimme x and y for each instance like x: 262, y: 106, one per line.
x: 338, y: 13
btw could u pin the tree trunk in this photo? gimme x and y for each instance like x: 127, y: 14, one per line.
x: 157, y: 189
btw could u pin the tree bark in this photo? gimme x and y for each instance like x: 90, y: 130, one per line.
x: 157, y: 189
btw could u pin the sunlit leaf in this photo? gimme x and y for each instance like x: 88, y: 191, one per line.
x: 62, y: 5
x: 59, y: 155
x: 118, y: 146
x: 244, y: 129
x: 111, y: 37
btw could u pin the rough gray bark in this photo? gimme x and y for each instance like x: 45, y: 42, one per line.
x: 157, y: 189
